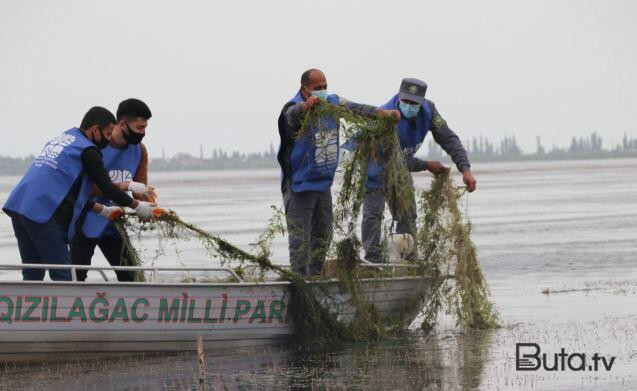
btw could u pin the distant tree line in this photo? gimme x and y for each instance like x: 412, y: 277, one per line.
x: 218, y: 160
x: 14, y: 165
x: 478, y: 148
x: 590, y: 147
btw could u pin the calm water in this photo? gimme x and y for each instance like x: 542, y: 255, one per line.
x: 569, y: 226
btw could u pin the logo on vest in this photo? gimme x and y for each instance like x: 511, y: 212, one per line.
x: 119, y: 176
x: 52, y: 150
x: 326, y: 147
x: 408, y: 151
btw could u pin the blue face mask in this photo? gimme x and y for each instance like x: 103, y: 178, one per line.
x: 321, y: 94
x: 408, y: 110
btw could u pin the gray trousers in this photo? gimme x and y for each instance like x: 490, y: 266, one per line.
x: 373, y: 210
x: 308, y: 215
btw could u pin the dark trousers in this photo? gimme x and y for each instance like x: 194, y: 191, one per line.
x: 42, y: 243
x: 112, y: 246
x: 308, y: 215
x: 371, y: 230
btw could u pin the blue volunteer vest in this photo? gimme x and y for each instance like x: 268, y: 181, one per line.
x: 122, y: 165
x: 50, y: 178
x: 314, y: 156
x: 410, y: 137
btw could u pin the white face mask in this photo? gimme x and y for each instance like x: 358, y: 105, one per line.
x: 321, y: 94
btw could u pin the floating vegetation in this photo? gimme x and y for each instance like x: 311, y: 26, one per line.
x: 372, y: 138
x: 444, y: 242
x: 129, y: 249
x: 447, y: 254
x: 366, y: 324
x: 315, y: 325
x: 443, y: 238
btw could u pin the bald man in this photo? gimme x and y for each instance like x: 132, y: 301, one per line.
x: 308, y: 164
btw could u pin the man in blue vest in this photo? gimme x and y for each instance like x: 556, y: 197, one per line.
x: 126, y: 160
x: 308, y: 164
x: 45, y: 205
x: 418, y: 117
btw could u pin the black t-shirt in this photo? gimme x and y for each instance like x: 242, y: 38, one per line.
x: 93, y: 167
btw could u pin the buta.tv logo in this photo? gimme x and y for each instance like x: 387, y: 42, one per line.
x: 528, y: 357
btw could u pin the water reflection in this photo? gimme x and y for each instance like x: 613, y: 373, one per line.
x: 440, y: 361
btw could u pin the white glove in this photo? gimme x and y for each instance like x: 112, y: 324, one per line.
x: 137, y: 187
x: 146, y: 191
x: 111, y: 212
x: 144, y: 209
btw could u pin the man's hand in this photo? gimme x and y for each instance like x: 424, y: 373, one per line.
x: 382, y: 113
x: 143, y: 192
x: 144, y: 209
x: 110, y: 212
x: 469, y: 180
x: 435, y: 167
x: 143, y: 197
x: 309, y: 102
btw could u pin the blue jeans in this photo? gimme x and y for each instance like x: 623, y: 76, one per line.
x: 42, y: 243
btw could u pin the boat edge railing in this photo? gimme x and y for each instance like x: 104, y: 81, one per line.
x: 154, y: 271
x: 384, y: 265
x: 100, y: 269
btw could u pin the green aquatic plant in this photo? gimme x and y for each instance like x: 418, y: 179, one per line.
x: 366, y: 324
x: 371, y: 139
x: 443, y: 240
x: 129, y: 249
x: 315, y: 325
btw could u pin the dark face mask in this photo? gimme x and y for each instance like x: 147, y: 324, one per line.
x: 133, y: 137
x: 103, y: 143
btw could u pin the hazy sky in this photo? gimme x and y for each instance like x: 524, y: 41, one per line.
x: 218, y: 72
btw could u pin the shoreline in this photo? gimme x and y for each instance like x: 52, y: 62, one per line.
x: 195, y: 164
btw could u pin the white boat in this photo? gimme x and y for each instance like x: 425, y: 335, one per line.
x: 43, y: 318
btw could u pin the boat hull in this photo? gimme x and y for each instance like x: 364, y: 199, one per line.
x: 64, y: 317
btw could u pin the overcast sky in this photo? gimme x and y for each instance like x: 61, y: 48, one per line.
x: 218, y: 72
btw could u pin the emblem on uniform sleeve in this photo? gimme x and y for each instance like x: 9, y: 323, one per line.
x: 438, y: 121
